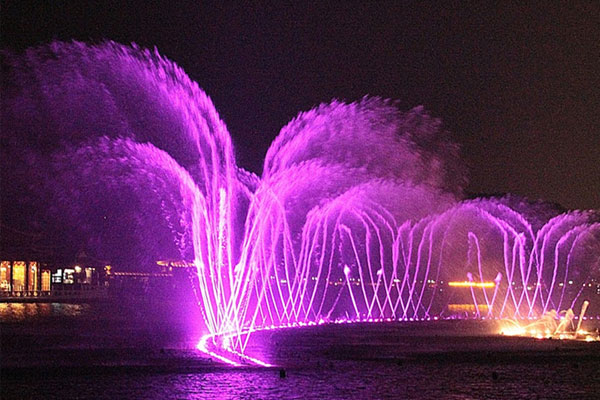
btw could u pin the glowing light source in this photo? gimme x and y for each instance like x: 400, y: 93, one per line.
x: 458, y: 308
x: 472, y: 284
x: 348, y: 195
x: 552, y: 325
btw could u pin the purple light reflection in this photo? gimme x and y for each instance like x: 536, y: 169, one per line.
x: 358, y: 215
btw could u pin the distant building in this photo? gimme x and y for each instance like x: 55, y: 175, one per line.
x: 24, y: 276
x: 34, y: 279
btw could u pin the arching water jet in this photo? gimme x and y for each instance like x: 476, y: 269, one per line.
x: 359, y: 213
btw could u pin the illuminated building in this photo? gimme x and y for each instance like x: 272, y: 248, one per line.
x: 30, y: 280
x: 23, y: 277
x: 46, y: 280
x: 5, y: 276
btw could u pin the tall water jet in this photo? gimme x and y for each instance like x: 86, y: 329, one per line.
x: 359, y: 213
x: 110, y: 119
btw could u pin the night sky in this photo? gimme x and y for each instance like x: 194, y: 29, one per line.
x: 519, y: 87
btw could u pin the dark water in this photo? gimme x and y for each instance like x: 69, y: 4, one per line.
x: 90, y: 352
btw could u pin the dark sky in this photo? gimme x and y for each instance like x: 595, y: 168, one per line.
x: 519, y: 86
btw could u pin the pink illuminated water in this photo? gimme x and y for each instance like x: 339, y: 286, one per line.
x: 358, y: 214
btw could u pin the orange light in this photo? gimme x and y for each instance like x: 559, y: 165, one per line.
x: 456, y: 308
x: 472, y: 284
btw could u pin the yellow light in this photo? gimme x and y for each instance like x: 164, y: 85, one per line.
x: 513, y: 331
x: 455, y: 308
x: 472, y: 284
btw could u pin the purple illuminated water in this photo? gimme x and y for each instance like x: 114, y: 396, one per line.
x: 358, y: 214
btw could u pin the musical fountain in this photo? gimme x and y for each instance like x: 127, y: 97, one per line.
x: 358, y: 214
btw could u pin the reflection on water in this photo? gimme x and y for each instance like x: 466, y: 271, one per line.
x: 18, y: 312
x: 337, y: 380
x: 89, y: 358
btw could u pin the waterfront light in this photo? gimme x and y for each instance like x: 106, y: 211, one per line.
x: 472, y: 284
